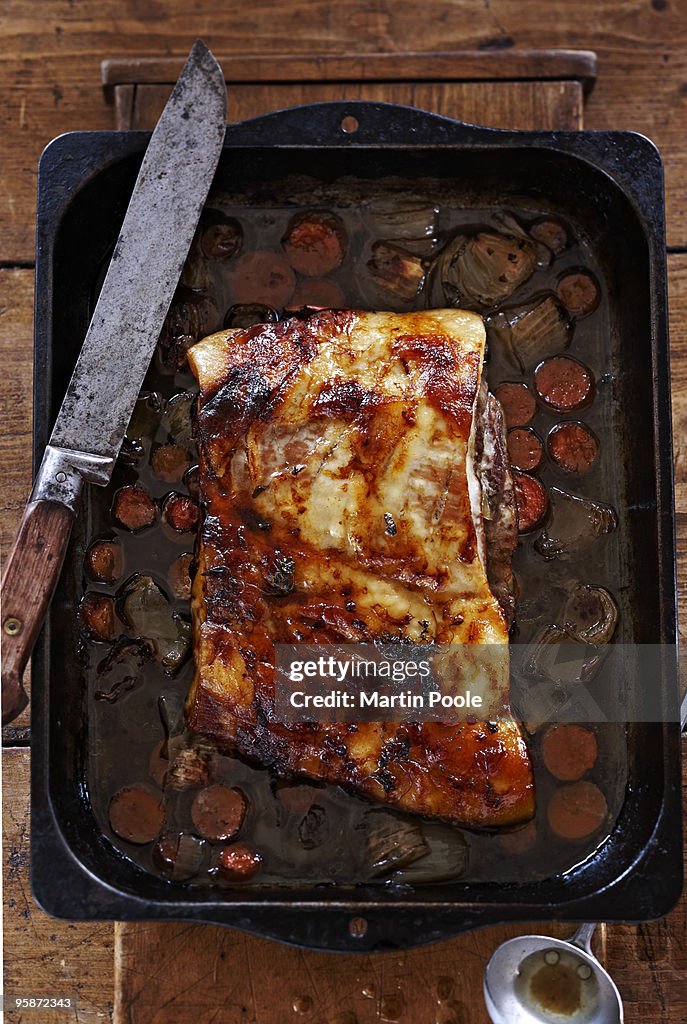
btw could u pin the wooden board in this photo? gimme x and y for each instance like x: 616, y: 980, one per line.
x: 507, y: 104
x: 244, y: 978
x: 460, y: 65
x: 16, y: 358
x: 16, y: 391
x: 517, y: 89
x: 677, y: 299
x: 225, y: 975
x: 44, y: 956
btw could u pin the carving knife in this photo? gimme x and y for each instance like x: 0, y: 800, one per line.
x: 171, y: 188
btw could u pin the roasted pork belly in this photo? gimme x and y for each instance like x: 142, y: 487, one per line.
x: 341, y: 502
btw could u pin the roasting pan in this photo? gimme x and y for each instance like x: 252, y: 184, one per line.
x: 611, y: 183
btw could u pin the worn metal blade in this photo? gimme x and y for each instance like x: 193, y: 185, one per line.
x: 171, y: 188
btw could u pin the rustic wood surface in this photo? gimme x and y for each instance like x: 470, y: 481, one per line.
x: 53, y: 49
x: 495, y: 104
x: 439, y: 983
x: 50, y: 82
x: 16, y: 346
x: 465, y: 65
x: 513, y: 89
x: 44, y: 956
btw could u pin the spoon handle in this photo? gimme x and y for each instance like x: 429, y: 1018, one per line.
x: 583, y: 937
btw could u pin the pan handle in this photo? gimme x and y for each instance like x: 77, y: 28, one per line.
x: 359, y: 123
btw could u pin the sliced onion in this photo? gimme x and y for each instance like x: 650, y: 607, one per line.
x: 391, y: 843
x: 575, y: 523
x: 530, y: 333
x: 177, y: 419
x: 148, y: 612
x: 396, y: 271
x: 591, y: 614
x: 483, y: 269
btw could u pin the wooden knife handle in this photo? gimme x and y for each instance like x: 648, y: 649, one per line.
x: 28, y: 584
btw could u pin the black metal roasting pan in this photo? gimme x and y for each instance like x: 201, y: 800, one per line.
x: 611, y: 183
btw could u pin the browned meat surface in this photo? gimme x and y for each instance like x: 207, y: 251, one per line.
x: 340, y: 504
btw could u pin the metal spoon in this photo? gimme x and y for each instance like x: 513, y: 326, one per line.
x: 534, y: 979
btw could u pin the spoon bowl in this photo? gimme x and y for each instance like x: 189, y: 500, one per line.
x: 534, y: 979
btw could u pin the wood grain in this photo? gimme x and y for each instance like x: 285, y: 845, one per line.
x: 511, y: 89
x: 264, y: 982
x: 461, y: 65
x: 507, y: 104
x: 50, y: 68
x: 16, y: 358
x: 677, y: 297
x: 44, y: 956
x: 16, y: 390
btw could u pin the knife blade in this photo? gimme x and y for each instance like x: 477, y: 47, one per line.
x: 163, y: 213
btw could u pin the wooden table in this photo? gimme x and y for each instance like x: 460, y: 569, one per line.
x: 50, y: 79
